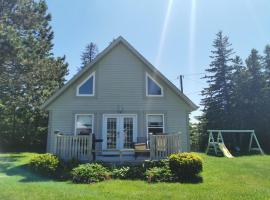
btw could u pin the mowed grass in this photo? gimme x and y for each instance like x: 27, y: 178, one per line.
x: 246, y: 177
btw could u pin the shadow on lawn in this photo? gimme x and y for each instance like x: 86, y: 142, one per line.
x: 8, y: 167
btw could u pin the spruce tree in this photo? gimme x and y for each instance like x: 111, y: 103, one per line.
x: 217, y: 96
x: 254, y: 92
x: 238, y: 99
x: 266, y: 64
x: 89, y: 54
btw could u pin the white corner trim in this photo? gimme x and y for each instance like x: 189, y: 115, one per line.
x: 94, y: 85
x: 75, y: 125
x: 146, y: 86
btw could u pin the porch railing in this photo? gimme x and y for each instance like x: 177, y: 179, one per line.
x: 77, y: 147
x: 80, y: 146
x: 161, y: 146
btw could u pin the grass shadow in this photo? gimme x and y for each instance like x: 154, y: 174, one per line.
x: 10, y: 166
x: 194, y: 180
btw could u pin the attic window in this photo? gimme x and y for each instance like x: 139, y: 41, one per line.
x: 87, y: 87
x: 152, y: 87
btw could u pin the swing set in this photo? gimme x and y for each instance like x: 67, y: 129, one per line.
x: 217, y: 145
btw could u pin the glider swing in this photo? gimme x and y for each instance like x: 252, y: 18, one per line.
x: 216, y: 141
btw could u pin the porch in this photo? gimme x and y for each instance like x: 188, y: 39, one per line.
x: 83, y: 148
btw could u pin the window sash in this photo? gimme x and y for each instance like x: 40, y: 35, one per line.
x: 155, y: 123
x: 157, y: 89
x: 81, y: 87
x: 83, y: 124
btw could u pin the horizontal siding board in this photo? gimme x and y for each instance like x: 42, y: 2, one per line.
x: 120, y: 81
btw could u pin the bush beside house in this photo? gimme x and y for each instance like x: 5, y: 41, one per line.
x: 178, y: 167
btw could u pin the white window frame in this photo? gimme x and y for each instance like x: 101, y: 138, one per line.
x: 76, y: 116
x: 146, y: 86
x: 163, y: 119
x: 88, y: 77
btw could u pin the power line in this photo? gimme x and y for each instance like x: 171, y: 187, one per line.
x: 195, y: 74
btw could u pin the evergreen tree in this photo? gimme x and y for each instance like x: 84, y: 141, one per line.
x: 255, y: 108
x: 29, y: 73
x: 217, y: 96
x: 89, y: 54
x: 266, y: 64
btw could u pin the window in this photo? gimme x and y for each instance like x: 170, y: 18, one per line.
x: 152, y: 87
x: 87, y: 87
x: 155, y: 123
x: 83, y: 124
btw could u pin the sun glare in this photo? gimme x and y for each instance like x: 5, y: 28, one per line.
x: 192, y: 36
x: 164, y: 32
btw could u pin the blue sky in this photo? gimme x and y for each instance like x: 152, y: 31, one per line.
x: 174, y: 35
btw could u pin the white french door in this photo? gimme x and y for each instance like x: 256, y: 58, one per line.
x: 119, y: 131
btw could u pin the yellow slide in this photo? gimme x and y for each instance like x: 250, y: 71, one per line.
x: 224, y: 150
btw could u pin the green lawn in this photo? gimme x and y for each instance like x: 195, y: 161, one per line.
x: 245, y: 177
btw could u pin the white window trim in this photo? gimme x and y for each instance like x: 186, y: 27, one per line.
x: 76, y: 116
x: 146, y: 86
x: 163, y: 119
x: 87, y: 95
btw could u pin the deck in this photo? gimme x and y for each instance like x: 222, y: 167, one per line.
x: 82, y: 147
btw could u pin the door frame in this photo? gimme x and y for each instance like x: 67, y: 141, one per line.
x: 104, y: 133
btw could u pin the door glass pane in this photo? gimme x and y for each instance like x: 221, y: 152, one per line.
x: 111, y: 133
x: 128, y: 132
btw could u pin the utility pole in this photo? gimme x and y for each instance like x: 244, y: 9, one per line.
x: 181, y: 82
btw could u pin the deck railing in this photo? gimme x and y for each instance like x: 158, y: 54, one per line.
x: 77, y: 147
x: 80, y: 146
x: 161, y: 146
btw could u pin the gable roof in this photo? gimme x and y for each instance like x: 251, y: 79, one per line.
x: 115, y: 42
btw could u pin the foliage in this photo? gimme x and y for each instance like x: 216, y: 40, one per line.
x: 89, y: 54
x: 148, y: 164
x: 217, y: 96
x: 194, y: 135
x: 45, y: 164
x: 238, y: 93
x: 120, y: 172
x: 29, y: 73
x: 135, y: 172
x: 185, y: 165
x: 89, y: 173
x: 65, y: 167
x: 159, y: 174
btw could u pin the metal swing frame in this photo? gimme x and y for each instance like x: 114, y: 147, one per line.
x: 214, y: 142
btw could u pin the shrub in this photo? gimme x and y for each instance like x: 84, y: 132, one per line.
x: 65, y: 167
x: 136, y: 172
x: 120, y: 172
x: 148, y: 164
x: 89, y: 173
x: 45, y: 164
x: 185, y: 165
x: 159, y: 174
